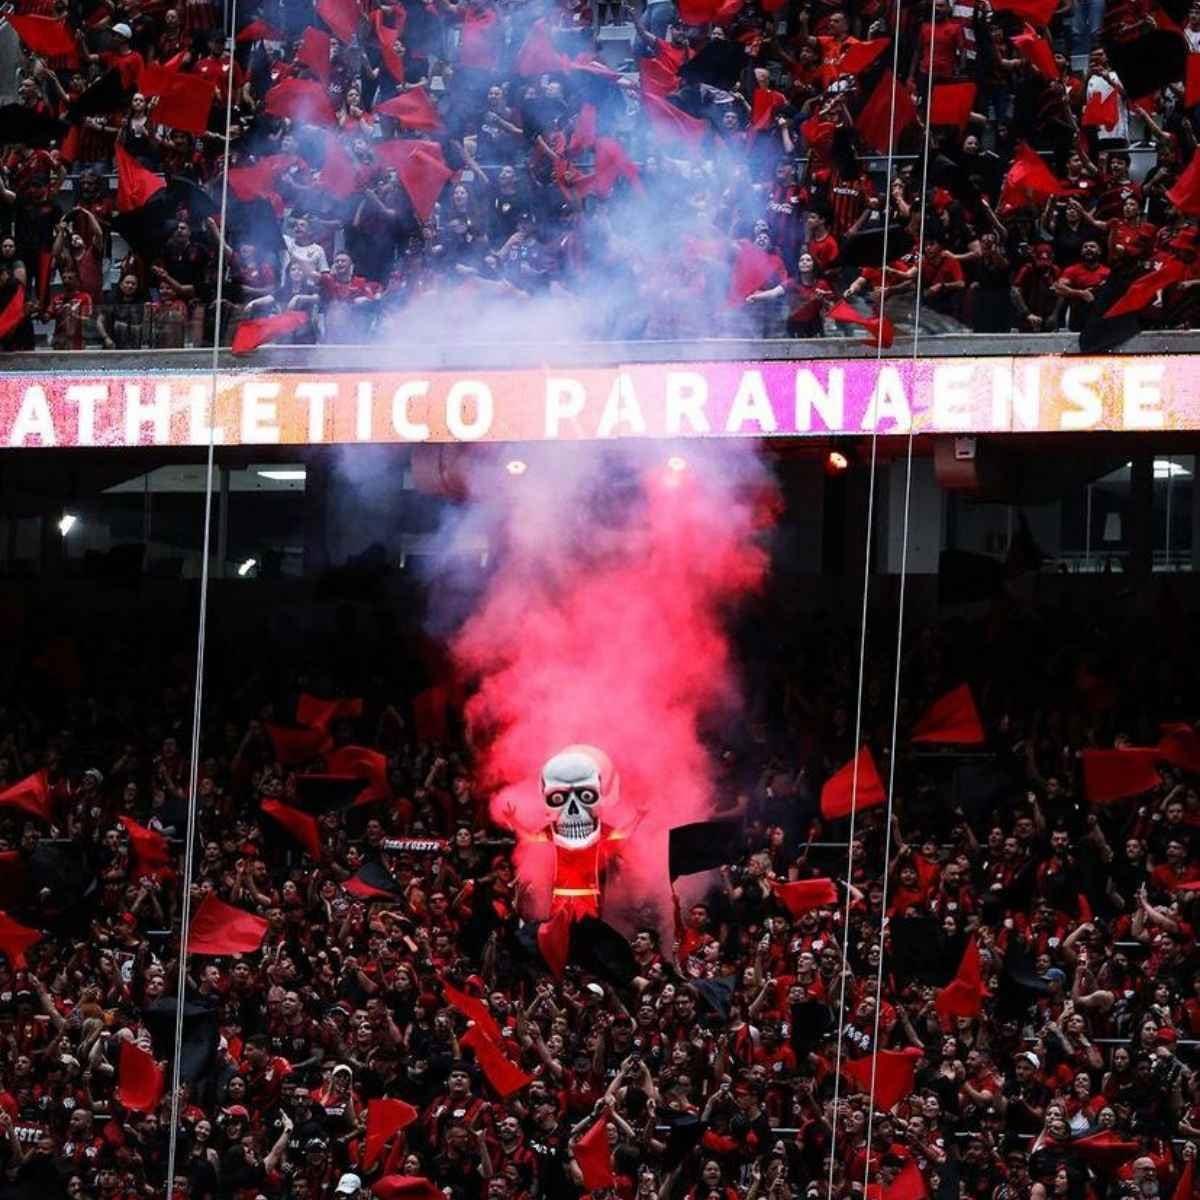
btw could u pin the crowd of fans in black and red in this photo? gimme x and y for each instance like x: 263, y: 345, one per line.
x: 402, y: 980
x: 691, y: 170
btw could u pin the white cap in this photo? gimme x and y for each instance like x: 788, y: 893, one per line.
x: 348, y: 1184
x: 123, y: 30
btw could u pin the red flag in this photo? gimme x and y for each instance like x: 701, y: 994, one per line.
x: 184, y: 101
x: 311, y: 710
x: 1029, y: 180
x: 953, y: 720
x: 13, y: 312
x: 363, y: 763
x: 342, y: 16
x: 1037, y: 52
x: 31, y: 794
x: 763, y: 109
x: 300, y: 825
x: 258, y: 31
x: 1191, y: 93
x: 554, y: 941
x: 1185, y: 195
x: 1110, y: 775
x: 1104, y: 111
x: 505, y: 1076
x: 303, y: 100
x: 882, y: 120
x: 473, y: 1009
x: 963, y: 995
x: 805, y: 894
x: 478, y: 48
x: 1037, y: 12
x: 15, y: 939
x: 292, y: 745
x: 837, y: 799
x: 339, y: 174
x: 1105, y: 1151
x: 1144, y: 288
x: 385, y: 1118
x: 249, y: 336
x: 537, y: 55
x: 753, y: 268
x: 670, y: 121
x: 951, y: 104
x: 135, y: 185
x: 716, y: 12
x: 413, y: 110
x: 594, y: 1157
x: 1185, y: 1188
x: 385, y: 37
x: 881, y: 329
x: 583, y: 136
x: 249, y: 183
x: 406, y: 1187
x: 858, y: 56
x: 894, y: 1073
x: 909, y: 1184
x: 1181, y: 748
x: 422, y: 171
x: 139, y: 1079
x: 151, y: 854
x: 612, y: 163
x: 69, y: 150
x: 219, y: 928
x: 47, y: 36
x: 313, y: 53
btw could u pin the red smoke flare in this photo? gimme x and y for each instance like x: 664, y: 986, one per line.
x: 614, y: 638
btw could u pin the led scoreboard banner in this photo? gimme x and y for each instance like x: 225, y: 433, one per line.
x: 717, y: 399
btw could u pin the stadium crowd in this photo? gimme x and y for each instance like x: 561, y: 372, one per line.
x: 590, y: 169
x: 390, y: 1027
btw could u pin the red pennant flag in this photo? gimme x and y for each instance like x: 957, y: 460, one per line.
x: 303, y: 100
x: 311, y: 710
x: 952, y: 720
x: 1191, y: 92
x: 766, y: 103
x: 473, y: 1009
x: 249, y: 183
x: 13, y: 312
x: 15, y: 939
x: 300, y: 825
x: 422, y: 171
x: 858, y: 56
x: 342, y: 16
x: 31, y: 794
x: 909, y: 1184
x: 151, y: 854
x: 385, y: 37
x: 248, y: 337
x: 1110, y: 775
x: 313, y: 53
x: 293, y: 745
x: 385, y: 1118
x: 1037, y: 12
x: 1037, y: 52
x: 362, y: 763
x: 554, y: 942
x: 505, y: 1077
x: 882, y: 120
x: 135, y: 185
x: 219, y: 928
x: 583, y: 136
x: 538, y: 55
x: 1029, y: 181
x: 1142, y: 291
x: 1102, y: 112
x: 951, y: 104
x: 881, y: 329
x: 804, y: 895
x: 258, y: 31
x: 963, y: 995
x: 69, y: 150
x: 406, y: 1187
x: 1185, y: 195
x: 669, y: 121
x: 1181, y: 748
x: 139, y: 1079
x: 48, y: 37
x: 339, y: 175
x: 1105, y: 1151
x: 1186, y: 1186
x: 837, y: 799
x: 478, y: 48
x: 612, y: 163
x: 894, y: 1073
x: 593, y: 1155
x: 753, y: 268
x: 184, y: 101
x: 413, y: 110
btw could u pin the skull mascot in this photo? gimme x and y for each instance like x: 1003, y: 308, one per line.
x: 580, y: 790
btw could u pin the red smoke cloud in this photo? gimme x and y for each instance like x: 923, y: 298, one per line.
x: 615, y: 638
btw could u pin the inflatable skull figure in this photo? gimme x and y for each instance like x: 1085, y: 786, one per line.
x: 578, y: 784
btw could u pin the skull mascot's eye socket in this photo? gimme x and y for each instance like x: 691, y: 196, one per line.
x: 556, y: 799
x: 587, y: 796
